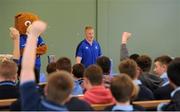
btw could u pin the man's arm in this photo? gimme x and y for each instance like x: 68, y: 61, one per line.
x: 79, y: 53
x: 14, y: 33
x: 124, y: 51
x: 29, y: 55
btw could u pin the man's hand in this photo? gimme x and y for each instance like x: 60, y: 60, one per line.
x: 125, y: 37
x: 36, y: 28
x: 78, y: 59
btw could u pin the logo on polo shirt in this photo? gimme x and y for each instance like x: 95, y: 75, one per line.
x: 96, y: 47
x: 23, y: 45
x: 86, y: 47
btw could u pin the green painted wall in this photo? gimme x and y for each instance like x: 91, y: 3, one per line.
x: 66, y: 21
x: 154, y: 24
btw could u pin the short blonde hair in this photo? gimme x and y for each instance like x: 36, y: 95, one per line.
x: 8, y: 69
x: 89, y: 28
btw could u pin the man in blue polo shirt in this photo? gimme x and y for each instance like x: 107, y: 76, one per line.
x: 88, y: 49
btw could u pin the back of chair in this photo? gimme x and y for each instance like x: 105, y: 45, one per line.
x: 42, y: 85
x: 5, y: 103
x: 150, y: 104
x: 99, y: 107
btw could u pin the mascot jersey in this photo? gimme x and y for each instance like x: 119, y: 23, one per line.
x: 23, y: 39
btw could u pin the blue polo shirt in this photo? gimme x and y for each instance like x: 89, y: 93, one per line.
x: 23, y: 39
x: 89, y: 53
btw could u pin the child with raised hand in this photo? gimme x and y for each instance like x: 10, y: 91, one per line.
x: 124, y: 51
x: 59, y: 86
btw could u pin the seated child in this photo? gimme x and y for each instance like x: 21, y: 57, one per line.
x: 64, y: 63
x: 130, y: 68
x: 105, y: 64
x: 123, y: 90
x: 96, y: 93
x: 161, y: 64
x: 51, y: 67
x: 8, y: 78
x: 78, y: 71
x: 148, y: 79
x: 173, y: 72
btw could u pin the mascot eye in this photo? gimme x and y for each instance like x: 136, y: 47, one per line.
x: 27, y: 23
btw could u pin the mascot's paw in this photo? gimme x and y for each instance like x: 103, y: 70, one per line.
x: 41, y: 49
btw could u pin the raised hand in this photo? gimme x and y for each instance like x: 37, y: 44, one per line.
x: 36, y: 28
x: 125, y: 37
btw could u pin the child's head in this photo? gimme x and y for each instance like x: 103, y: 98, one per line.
x: 129, y: 67
x: 105, y: 63
x: 93, y: 76
x: 8, y: 70
x: 59, y: 87
x: 134, y: 56
x: 144, y: 62
x: 161, y: 64
x: 78, y: 70
x: 173, y: 72
x: 64, y: 63
x: 51, y: 67
x: 123, y: 88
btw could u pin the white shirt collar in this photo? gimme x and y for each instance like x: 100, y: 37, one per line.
x: 164, y: 75
x: 166, y: 83
x: 123, y: 107
x: 177, y: 89
x: 137, y: 82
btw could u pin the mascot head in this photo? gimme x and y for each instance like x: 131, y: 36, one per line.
x: 23, y: 20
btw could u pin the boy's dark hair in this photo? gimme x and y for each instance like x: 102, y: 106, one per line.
x: 59, y: 86
x: 144, y: 62
x: 8, y: 69
x: 51, y: 67
x: 64, y: 63
x: 105, y: 64
x: 163, y: 59
x: 78, y: 70
x: 177, y: 58
x: 123, y: 88
x: 173, y: 71
x: 94, y: 74
x: 134, y: 56
x: 128, y: 67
